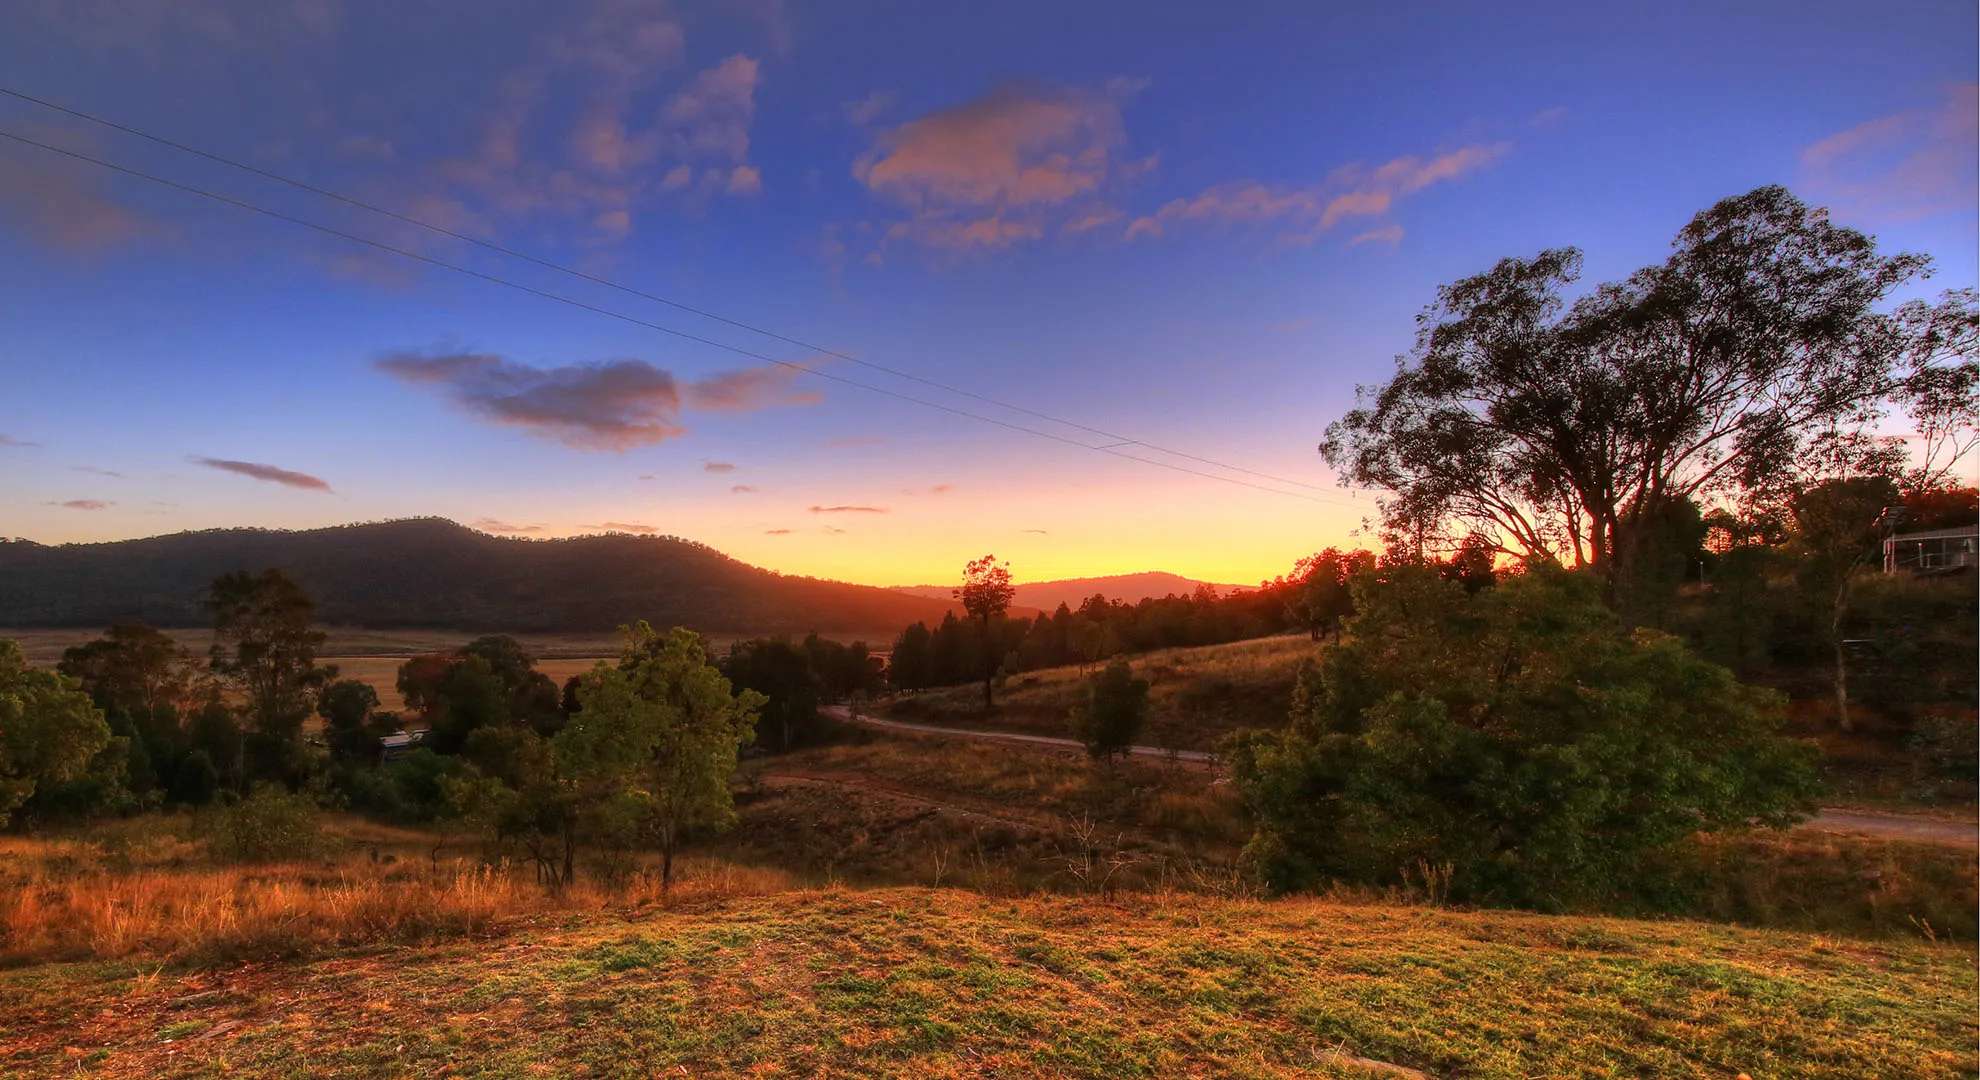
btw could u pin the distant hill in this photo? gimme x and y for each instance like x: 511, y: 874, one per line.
x: 434, y: 573
x: 1127, y: 588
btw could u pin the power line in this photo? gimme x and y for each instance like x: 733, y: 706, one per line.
x: 635, y: 320
x: 1118, y: 440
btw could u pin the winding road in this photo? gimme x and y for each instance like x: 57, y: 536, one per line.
x: 1857, y: 822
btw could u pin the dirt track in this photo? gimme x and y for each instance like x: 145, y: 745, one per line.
x: 1882, y: 826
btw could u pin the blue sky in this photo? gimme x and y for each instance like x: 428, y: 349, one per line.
x: 1198, y: 227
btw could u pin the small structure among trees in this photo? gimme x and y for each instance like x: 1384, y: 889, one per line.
x: 1932, y: 549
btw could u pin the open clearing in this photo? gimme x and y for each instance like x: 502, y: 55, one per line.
x: 1196, y: 696
x: 941, y: 983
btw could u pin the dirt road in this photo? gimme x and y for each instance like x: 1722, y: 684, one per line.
x: 843, y: 714
x: 1860, y: 823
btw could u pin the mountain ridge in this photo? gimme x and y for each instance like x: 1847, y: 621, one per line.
x: 437, y: 573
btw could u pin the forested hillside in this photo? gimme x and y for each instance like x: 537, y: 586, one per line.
x: 435, y: 573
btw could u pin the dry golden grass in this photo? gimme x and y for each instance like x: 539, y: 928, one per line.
x: 1196, y: 696
x: 945, y: 984
x: 73, y: 899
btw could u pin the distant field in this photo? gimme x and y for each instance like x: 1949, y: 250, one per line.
x: 1196, y: 696
x: 44, y: 646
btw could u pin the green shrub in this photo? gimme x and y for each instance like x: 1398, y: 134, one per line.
x: 1109, y: 719
x: 269, y: 825
x: 1523, y: 737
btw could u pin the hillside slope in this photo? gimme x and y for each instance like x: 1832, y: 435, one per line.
x: 435, y: 573
x: 1127, y: 588
x: 932, y: 983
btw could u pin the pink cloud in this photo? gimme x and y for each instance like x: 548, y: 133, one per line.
x: 1390, y: 234
x: 1303, y: 214
x: 493, y: 525
x: 1908, y: 165
x: 748, y: 389
x: 268, y: 473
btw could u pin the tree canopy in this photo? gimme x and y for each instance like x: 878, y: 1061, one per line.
x: 1522, y: 738
x: 1557, y: 431
x: 49, y: 730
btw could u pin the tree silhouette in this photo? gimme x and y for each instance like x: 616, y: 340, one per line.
x: 1561, y: 434
x: 986, y: 594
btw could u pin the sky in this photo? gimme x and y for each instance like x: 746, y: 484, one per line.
x: 1183, y: 234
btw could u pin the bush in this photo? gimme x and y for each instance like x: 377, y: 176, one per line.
x: 1109, y: 718
x: 269, y: 825
x: 1523, y: 737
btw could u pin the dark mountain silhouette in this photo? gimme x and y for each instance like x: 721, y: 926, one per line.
x: 1127, y: 588
x: 435, y: 573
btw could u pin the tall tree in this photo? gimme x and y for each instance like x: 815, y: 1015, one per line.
x: 782, y: 672
x: 265, y: 643
x: 139, y: 668
x: 1560, y: 431
x: 1839, y: 529
x: 49, y: 730
x: 986, y: 593
x: 669, y: 714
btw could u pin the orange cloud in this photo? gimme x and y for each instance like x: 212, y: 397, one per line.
x: 848, y: 509
x: 997, y: 170
x: 85, y: 504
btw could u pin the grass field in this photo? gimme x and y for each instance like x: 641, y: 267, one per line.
x: 1196, y: 696
x: 912, y: 982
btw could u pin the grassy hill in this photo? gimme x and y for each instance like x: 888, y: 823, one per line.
x: 1196, y: 696
x: 915, y: 982
x: 435, y: 573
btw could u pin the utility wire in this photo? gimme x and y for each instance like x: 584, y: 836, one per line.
x: 635, y: 320
x: 1118, y: 440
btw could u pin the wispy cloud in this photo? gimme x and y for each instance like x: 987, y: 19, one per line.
x: 1390, y: 235
x: 93, y: 470
x: 866, y: 110
x: 861, y: 440
x: 268, y: 473
x: 778, y: 532
x: 1909, y: 165
x: 848, y: 509
x: 9, y: 440
x: 748, y: 389
x: 742, y: 489
x: 63, y: 206
x: 718, y: 467
x: 495, y: 525
x: 630, y: 527
x: 84, y: 504
x: 1039, y: 532
x: 1301, y: 215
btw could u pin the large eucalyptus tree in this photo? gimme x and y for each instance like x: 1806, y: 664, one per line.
x: 1564, y: 431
